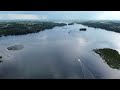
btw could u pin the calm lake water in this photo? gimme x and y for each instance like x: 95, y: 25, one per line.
x: 59, y: 53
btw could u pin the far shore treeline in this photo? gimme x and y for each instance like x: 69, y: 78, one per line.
x: 109, y: 25
x: 25, y: 27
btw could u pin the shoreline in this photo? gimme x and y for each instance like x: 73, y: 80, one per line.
x: 23, y: 28
x: 109, y: 26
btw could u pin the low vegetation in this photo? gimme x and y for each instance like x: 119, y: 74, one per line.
x: 112, y: 57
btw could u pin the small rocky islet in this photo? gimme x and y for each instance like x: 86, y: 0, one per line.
x: 82, y: 29
x: 15, y: 47
x: 0, y: 59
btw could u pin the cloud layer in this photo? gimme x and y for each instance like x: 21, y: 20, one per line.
x: 111, y: 15
x: 60, y: 15
x: 22, y: 17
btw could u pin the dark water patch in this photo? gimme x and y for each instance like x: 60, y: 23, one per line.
x: 112, y: 57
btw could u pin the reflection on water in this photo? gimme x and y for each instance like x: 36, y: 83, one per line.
x: 55, y: 53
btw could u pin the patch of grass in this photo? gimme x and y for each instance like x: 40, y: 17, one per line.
x: 112, y: 57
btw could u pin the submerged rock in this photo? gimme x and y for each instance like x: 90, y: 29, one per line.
x: 111, y: 57
x: 16, y: 47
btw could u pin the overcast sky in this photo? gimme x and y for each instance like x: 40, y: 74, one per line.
x: 60, y: 15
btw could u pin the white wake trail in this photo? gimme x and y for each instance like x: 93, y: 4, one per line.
x: 86, y: 73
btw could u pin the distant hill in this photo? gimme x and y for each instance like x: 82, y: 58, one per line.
x: 109, y: 25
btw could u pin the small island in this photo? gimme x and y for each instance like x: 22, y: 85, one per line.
x: 0, y: 59
x: 16, y: 47
x: 82, y: 29
x: 111, y: 57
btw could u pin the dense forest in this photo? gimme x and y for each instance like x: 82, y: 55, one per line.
x: 107, y: 25
x: 25, y: 27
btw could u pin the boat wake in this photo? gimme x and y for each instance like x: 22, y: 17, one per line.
x: 85, y: 71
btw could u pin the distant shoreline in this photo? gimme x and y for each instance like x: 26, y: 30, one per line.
x: 25, y: 27
x: 107, y: 25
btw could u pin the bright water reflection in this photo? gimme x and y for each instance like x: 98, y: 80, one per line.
x: 55, y: 53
